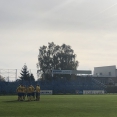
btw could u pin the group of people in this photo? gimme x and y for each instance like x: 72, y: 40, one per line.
x: 30, y: 92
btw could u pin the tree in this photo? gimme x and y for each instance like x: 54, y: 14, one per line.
x: 56, y: 57
x: 25, y: 76
x: 2, y: 79
x: 31, y: 76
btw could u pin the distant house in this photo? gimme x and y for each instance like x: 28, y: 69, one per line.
x: 105, y: 71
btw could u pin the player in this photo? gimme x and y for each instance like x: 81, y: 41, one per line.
x: 29, y: 92
x: 33, y: 93
x: 24, y: 92
x: 37, y: 93
x: 19, y: 92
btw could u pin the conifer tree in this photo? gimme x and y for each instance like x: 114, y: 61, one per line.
x: 32, y: 77
x: 24, y: 74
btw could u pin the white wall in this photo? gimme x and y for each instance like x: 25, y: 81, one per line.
x: 105, y: 71
x: 116, y: 72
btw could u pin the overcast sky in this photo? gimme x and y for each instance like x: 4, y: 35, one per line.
x: 88, y: 26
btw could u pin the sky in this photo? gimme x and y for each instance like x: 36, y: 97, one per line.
x: 88, y: 26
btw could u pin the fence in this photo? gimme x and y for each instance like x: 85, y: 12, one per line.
x: 62, y: 86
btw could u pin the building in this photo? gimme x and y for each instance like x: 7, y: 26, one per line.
x: 105, y: 71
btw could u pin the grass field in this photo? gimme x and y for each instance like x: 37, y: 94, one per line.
x: 60, y: 106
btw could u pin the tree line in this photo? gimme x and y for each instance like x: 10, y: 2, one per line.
x: 52, y: 57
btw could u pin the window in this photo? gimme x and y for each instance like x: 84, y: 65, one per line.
x: 100, y: 74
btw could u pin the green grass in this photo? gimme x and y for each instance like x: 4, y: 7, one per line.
x: 60, y: 106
